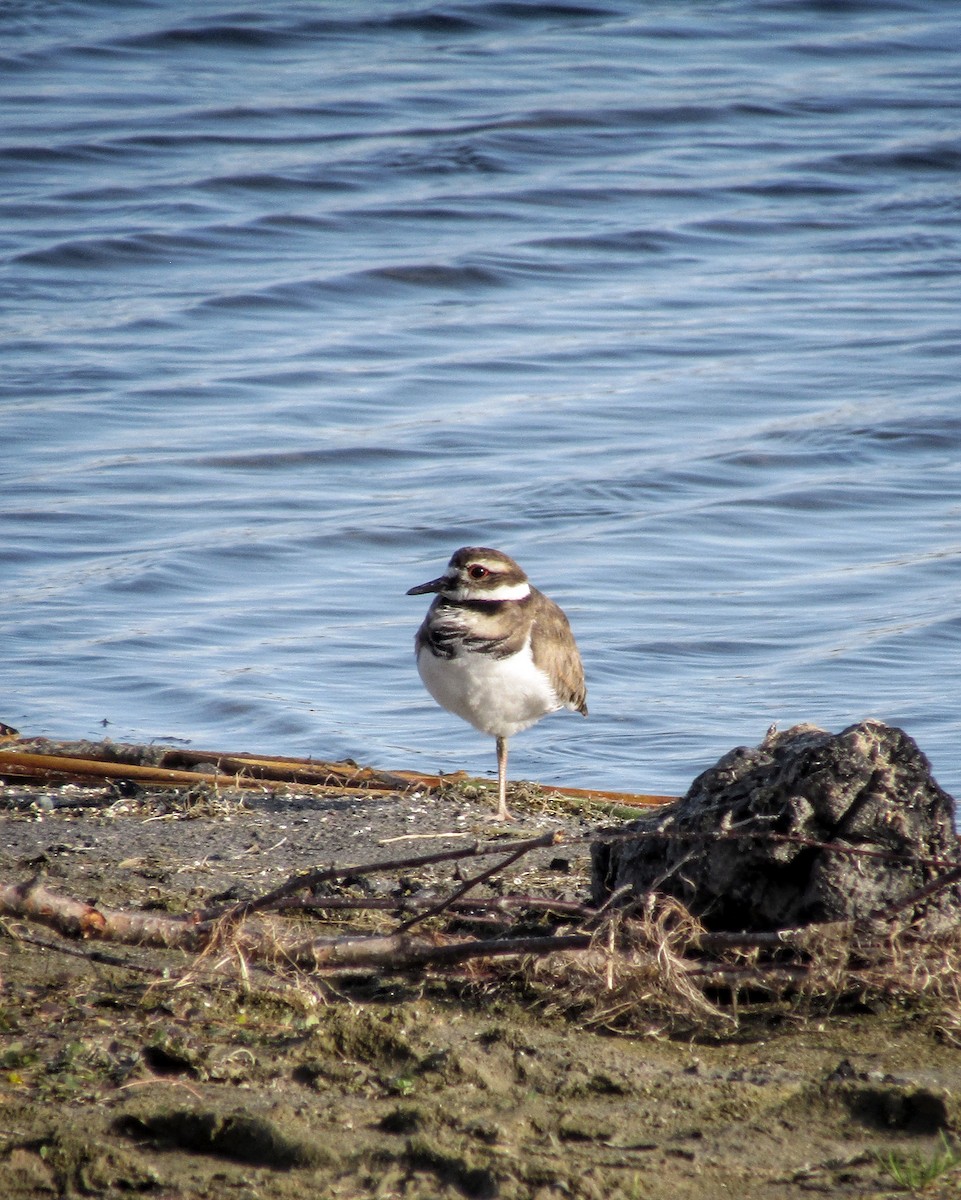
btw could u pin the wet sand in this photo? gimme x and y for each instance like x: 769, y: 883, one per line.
x: 118, y: 1081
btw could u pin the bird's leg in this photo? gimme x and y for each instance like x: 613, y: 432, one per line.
x: 502, y: 813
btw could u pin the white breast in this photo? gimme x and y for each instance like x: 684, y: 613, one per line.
x: 498, y: 696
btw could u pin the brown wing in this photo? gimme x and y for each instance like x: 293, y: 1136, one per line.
x: 555, y: 651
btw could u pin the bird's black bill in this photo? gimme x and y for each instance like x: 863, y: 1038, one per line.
x: 435, y: 585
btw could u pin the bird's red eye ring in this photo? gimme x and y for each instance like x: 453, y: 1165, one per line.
x: 476, y: 571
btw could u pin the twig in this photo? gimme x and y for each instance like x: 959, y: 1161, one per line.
x: 565, y: 908
x: 594, y: 918
x: 520, y: 848
x: 421, y: 837
x: 800, y: 939
x: 742, y: 975
x: 310, y: 879
x: 397, y: 952
x: 922, y: 893
x: 154, y: 1080
x: 102, y: 957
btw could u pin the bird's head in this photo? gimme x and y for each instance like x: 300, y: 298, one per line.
x: 478, y: 573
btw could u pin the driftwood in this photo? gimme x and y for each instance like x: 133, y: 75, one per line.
x: 255, y: 941
x: 201, y: 931
x: 606, y: 963
x: 39, y: 760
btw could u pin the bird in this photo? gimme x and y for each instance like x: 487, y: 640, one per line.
x: 495, y: 651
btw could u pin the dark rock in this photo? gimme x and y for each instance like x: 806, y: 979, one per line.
x: 868, y: 787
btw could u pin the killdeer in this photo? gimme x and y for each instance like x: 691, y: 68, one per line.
x: 496, y: 651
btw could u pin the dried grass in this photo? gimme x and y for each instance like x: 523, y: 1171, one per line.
x: 634, y: 973
x: 658, y: 970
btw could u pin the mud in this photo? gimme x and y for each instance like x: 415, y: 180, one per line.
x: 118, y: 1081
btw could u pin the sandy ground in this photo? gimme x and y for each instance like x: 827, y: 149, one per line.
x: 116, y: 1080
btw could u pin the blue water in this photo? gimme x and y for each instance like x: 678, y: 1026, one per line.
x: 663, y: 299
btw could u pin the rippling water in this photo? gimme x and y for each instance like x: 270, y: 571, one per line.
x: 662, y: 299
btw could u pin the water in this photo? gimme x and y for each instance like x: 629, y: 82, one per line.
x: 662, y: 299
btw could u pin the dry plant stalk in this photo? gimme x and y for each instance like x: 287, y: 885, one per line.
x: 40, y: 760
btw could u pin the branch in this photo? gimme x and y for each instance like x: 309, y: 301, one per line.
x: 306, y: 880
x: 520, y: 848
x: 399, y: 952
x: 499, y: 905
x: 394, y: 952
x: 76, y: 919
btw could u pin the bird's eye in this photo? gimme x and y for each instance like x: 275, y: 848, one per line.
x: 476, y: 571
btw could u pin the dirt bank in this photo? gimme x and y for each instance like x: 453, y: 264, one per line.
x: 119, y: 1080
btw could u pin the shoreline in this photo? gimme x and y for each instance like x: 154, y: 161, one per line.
x: 133, y: 1069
